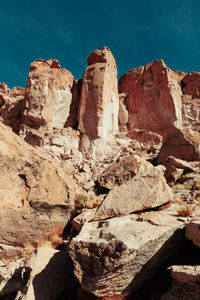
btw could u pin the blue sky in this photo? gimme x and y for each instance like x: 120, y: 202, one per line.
x: 137, y: 31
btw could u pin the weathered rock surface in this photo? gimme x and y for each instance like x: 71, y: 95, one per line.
x: 153, y: 98
x: 193, y: 232
x: 35, y: 193
x: 49, y: 273
x: 99, y: 101
x: 110, y: 255
x: 135, y: 186
x: 12, y: 105
x: 181, y: 143
x: 185, y: 284
x: 48, y: 95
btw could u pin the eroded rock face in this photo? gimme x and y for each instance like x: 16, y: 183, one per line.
x: 134, y: 185
x: 153, y: 98
x: 191, y: 100
x: 181, y: 143
x: 35, y: 193
x: 12, y: 105
x: 109, y: 255
x: 48, y: 95
x: 99, y: 101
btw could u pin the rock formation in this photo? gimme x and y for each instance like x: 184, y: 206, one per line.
x: 153, y: 98
x: 109, y: 177
x: 99, y: 101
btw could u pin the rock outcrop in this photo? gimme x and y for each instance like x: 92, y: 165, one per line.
x: 12, y: 105
x: 153, y: 98
x: 99, y: 101
x: 35, y: 193
x: 109, y: 255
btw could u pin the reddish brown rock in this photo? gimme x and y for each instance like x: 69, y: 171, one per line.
x: 12, y: 105
x: 153, y: 97
x: 99, y: 101
x: 35, y: 193
x: 48, y: 94
x: 135, y: 186
x: 191, y: 100
x: 181, y: 143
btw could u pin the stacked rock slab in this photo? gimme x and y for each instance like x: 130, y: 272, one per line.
x: 153, y: 98
x: 48, y: 95
x: 99, y: 101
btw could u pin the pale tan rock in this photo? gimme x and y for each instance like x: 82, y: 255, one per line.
x: 11, y: 277
x: 99, y: 101
x: 109, y: 255
x: 135, y: 186
x: 181, y: 143
x: 85, y: 216
x: 12, y: 105
x: 35, y: 193
x: 48, y: 95
x: 153, y: 97
x: 50, y: 274
x: 193, y: 232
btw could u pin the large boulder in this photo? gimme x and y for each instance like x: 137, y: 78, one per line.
x: 12, y: 105
x: 134, y: 185
x: 181, y: 143
x: 99, y: 101
x: 118, y: 254
x: 35, y: 193
x: 49, y: 273
x: 153, y: 98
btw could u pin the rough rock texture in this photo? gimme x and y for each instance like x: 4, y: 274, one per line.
x: 99, y: 101
x: 193, y: 233
x: 153, y: 98
x: 11, y: 278
x: 181, y: 143
x: 12, y: 105
x: 48, y: 95
x: 35, y: 194
x: 50, y: 273
x: 191, y: 100
x: 185, y: 284
x: 109, y: 255
x: 135, y: 186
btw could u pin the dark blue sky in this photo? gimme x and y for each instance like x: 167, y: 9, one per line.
x: 137, y: 31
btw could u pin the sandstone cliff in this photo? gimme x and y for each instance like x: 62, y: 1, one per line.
x: 107, y: 175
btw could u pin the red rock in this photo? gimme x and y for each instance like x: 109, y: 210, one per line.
x: 99, y: 101
x: 191, y: 84
x: 12, y: 105
x: 153, y: 97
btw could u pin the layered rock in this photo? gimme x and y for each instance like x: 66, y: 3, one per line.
x: 109, y: 255
x: 134, y: 185
x: 12, y: 105
x: 35, y: 193
x: 99, y: 101
x: 153, y: 98
x: 185, y: 283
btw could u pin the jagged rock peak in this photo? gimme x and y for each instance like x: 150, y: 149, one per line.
x: 101, y: 56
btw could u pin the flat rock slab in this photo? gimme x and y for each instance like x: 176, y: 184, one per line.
x: 110, y: 255
x: 135, y: 185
